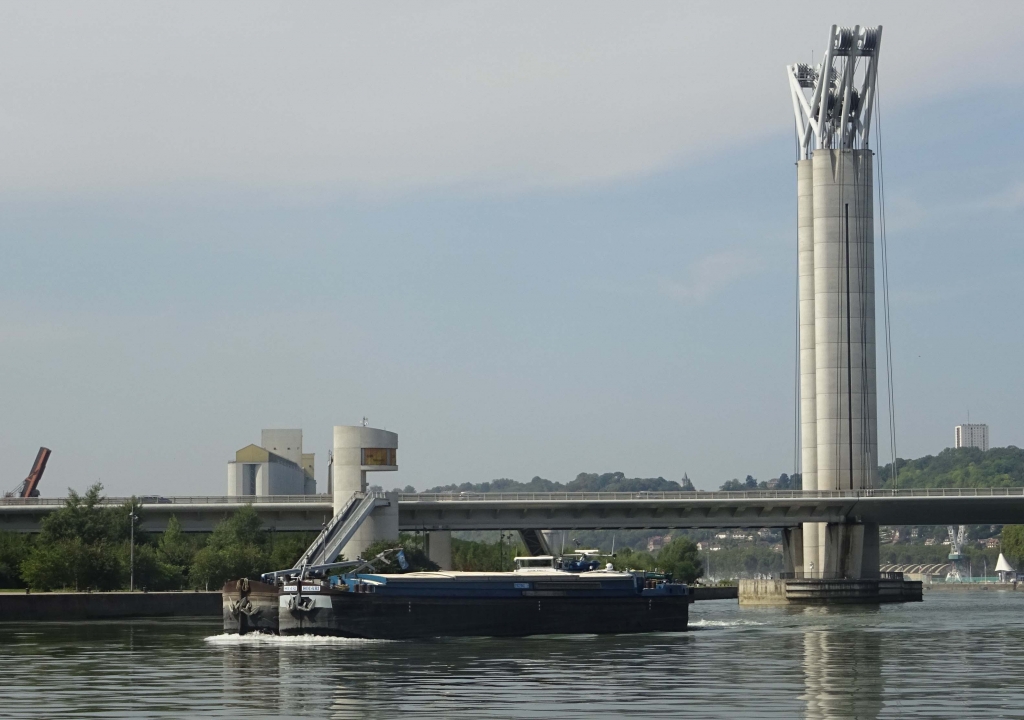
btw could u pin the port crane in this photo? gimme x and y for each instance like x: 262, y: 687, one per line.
x: 957, y: 538
x: 29, y: 487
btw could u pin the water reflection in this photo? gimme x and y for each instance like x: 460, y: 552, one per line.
x: 842, y: 675
x: 948, y: 657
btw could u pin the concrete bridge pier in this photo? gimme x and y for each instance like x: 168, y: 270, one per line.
x: 439, y: 547
x: 850, y: 573
x: 793, y: 549
x: 851, y: 551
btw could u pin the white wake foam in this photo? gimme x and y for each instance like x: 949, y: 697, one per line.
x: 723, y: 623
x: 258, y: 638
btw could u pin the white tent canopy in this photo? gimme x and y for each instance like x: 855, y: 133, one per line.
x: 1002, y: 565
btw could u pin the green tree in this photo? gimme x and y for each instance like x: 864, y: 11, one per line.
x: 14, y: 549
x: 961, y: 467
x: 152, y: 572
x: 237, y: 548
x: 735, y: 485
x: 287, y: 548
x: 680, y: 558
x: 474, y: 556
x: 629, y: 559
x: 1012, y: 542
x: 81, y: 545
x: 175, y: 547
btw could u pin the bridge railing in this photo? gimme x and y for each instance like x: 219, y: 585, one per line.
x: 754, y: 495
x: 709, y: 495
x: 806, y: 575
x: 183, y: 500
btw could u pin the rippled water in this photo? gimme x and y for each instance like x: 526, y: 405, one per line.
x: 956, y: 655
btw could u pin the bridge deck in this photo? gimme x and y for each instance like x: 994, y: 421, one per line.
x: 512, y: 511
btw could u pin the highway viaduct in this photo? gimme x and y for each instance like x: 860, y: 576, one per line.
x: 558, y: 511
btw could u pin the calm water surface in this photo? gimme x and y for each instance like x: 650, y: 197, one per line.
x: 957, y: 655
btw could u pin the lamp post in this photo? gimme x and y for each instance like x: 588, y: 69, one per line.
x: 131, y: 562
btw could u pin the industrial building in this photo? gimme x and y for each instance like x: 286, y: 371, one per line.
x: 277, y: 466
x: 971, y: 435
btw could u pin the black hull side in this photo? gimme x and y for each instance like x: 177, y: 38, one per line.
x: 249, y: 607
x: 396, y: 618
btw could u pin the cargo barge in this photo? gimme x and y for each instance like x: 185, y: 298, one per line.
x: 538, y: 598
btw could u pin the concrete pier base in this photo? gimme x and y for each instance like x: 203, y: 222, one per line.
x: 814, y: 591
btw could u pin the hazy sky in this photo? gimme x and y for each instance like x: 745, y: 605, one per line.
x: 531, y: 238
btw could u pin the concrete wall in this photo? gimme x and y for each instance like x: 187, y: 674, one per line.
x: 285, y: 479
x: 271, y: 478
x: 60, y: 607
x: 811, y: 551
x: 247, y: 479
x: 838, y: 395
x: 762, y: 592
x: 286, y: 443
x: 843, y: 187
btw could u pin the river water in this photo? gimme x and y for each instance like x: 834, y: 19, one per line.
x: 957, y: 655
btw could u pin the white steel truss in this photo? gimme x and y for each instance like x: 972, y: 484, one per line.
x: 832, y: 101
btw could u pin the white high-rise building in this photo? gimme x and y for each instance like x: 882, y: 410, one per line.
x: 971, y: 435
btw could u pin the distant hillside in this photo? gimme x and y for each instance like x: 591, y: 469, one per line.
x: 963, y: 467
x: 966, y: 467
x: 584, y: 482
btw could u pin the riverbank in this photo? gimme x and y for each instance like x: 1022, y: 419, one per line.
x: 59, y: 607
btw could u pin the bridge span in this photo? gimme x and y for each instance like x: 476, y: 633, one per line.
x: 599, y: 510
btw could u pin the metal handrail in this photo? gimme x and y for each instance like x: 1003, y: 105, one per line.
x: 337, y: 525
x: 713, y: 495
x: 181, y: 500
x: 831, y: 575
x: 324, y: 535
x: 755, y: 495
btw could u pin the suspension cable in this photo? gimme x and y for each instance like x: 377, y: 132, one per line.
x: 797, y: 437
x: 885, y: 288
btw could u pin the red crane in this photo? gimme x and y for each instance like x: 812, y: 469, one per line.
x: 29, y: 487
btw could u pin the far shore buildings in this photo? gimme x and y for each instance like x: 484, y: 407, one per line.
x: 971, y: 435
x: 277, y: 466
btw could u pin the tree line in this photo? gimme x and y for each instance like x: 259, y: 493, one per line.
x: 584, y: 482
x: 87, y: 545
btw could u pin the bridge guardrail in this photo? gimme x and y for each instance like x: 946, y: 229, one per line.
x: 182, y: 500
x: 549, y: 497
x: 713, y: 495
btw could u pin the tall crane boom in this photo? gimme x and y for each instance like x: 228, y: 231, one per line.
x: 29, y: 487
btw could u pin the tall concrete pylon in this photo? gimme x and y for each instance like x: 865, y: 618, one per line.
x: 832, y: 105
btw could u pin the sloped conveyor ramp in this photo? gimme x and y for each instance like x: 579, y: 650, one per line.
x: 535, y: 542
x: 341, y: 528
